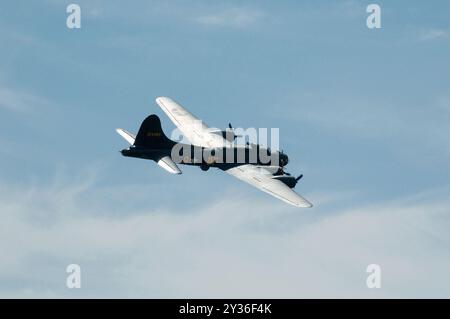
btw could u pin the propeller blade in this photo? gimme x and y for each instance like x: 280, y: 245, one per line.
x: 299, y: 177
x: 229, y: 125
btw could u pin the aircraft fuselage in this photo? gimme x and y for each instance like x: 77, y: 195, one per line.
x: 223, y: 158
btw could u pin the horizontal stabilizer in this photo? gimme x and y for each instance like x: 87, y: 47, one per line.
x: 129, y: 137
x: 169, y: 165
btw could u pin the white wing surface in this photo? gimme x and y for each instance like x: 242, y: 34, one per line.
x: 192, y: 128
x: 263, y: 179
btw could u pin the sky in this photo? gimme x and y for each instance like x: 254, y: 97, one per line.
x: 363, y: 113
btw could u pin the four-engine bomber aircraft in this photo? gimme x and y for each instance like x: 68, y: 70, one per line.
x: 211, y: 148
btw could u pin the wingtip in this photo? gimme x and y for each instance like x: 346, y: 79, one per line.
x: 160, y: 99
x: 304, y: 204
x: 308, y: 205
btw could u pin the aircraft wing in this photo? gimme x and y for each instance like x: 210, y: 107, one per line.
x: 262, y: 179
x: 192, y: 128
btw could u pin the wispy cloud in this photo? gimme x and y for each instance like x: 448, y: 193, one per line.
x: 432, y: 34
x: 236, y: 17
x: 20, y: 101
x: 228, y: 248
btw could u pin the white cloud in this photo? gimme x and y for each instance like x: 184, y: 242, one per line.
x: 16, y: 100
x: 432, y: 34
x: 244, y: 247
x: 237, y: 17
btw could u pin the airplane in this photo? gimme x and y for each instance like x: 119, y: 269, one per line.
x: 211, y: 148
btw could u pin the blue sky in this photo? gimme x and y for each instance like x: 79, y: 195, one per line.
x: 363, y: 114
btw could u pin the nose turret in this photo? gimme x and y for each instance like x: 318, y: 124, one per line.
x: 284, y: 159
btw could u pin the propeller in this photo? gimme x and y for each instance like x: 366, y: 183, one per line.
x: 230, y: 127
x: 299, y: 177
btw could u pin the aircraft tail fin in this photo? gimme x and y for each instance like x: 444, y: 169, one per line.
x: 151, y: 135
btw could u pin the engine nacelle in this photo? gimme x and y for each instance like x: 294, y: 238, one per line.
x: 289, y: 180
